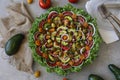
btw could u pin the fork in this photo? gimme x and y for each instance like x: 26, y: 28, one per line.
x: 106, y: 14
x: 113, y: 5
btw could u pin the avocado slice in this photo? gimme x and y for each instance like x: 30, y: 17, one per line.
x: 65, y: 59
x: 72, y: 30
x: 56, y: 18
x: 73, y: 46
x: 58, y: 39
x: 53, y: 35
x: 77, y: 57
x: 64, y: 43
x: 62, y: 32
x: 62, y: 27
x: 51, y: 58
x: 68, y: 17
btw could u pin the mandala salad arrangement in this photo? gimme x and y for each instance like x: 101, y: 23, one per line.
x: 64, y: 39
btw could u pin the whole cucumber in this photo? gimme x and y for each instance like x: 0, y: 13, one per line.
x: 94, y: 77
x: 13, y: 44
x: 115, y: 70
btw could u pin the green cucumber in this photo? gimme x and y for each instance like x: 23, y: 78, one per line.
x: 13, y: 44
x: 47, y: 26
x: 115, y: 70
x: 41, y: 37
x: 64, y: 43
x: 94, y: 77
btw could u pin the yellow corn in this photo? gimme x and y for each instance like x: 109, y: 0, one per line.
x: 37, y: 74
x: 29, y: 1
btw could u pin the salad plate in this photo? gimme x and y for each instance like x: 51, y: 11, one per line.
x: 64, y: 39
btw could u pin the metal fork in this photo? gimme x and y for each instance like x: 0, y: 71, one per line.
x: 107, y: 15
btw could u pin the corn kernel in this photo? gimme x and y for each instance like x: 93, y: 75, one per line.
x: 37, y: 74
x: 29, y: 1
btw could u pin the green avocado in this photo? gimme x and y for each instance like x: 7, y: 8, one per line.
x: 115, y: 70
x: 94, y: 77
x: 13, y: 44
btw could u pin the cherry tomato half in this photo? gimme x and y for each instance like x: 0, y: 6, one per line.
x: 65, y: 79
x: 73, y: 1
x: 45, y: 3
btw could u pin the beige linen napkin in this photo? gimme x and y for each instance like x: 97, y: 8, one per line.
x: 18, y: 21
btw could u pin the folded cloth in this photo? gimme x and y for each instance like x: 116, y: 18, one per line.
x: 18, y: 21
x: 105, y: 28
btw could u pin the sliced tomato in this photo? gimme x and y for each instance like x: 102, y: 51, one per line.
x: 52, y: 15
x: 87, y: 42
x: 65, y: 47
x: 41, y: 24
x: 36, y: 35
x: 77, y: 62
x: 88, y: 34
x: 91, y: 28
x: 65, y: 66
x: 81, y: 19
x: 90, y: 43
x: 86, y: 54
x: 38, y: 51
x: 51, y: 64
x: 67, y: 13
